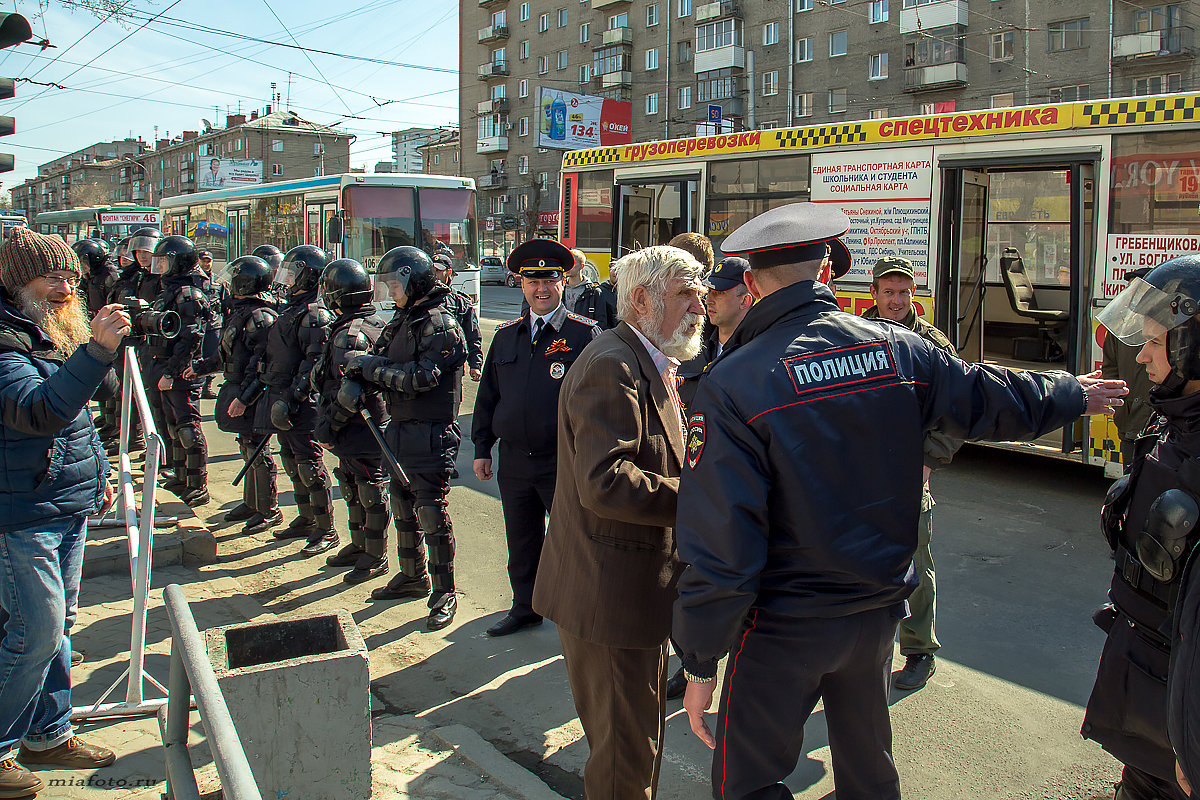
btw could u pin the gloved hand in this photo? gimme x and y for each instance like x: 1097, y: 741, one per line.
x: 355, y: 363
x: 281, y: 415
x: 350, y: 395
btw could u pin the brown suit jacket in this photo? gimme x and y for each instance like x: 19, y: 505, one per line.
x: 609, y: 567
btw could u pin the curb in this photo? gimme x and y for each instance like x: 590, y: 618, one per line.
x: 189, y: 545
x: 500, y: 768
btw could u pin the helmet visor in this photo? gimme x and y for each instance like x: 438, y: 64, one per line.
x: 386, y: 284
x: 1141, y: 312
x: 143, y: 243
x: 287, y: 273
x: 160, y: 265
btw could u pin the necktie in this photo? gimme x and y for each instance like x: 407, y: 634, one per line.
x: 537, y: 332
x: 669, y: 378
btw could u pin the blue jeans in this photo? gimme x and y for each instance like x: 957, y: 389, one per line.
x: 39, y: 597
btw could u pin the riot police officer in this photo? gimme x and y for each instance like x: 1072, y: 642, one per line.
x: 126, y: 283
x: 419, y: 365
x: 464, y: 312
x: 185, y: 290
x: 346, y: 291
x: 147, y: 288
x: 99, y: 274
x: 270, y: 254
x: 1150, y: 518
x: 243, y: 335
x: 292, y: 348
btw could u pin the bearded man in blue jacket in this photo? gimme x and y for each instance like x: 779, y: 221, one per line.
x: 52, y: 476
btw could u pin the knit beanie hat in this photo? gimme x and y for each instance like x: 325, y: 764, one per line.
x: 26, y: 255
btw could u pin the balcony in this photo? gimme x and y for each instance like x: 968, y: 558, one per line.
x: 493, y: 69
x: 730, y: 107
x: 493, y: 180
x: 617, y: 36
x: 599, y: 4
x: 492, y: 144
x: 935, y: 76
x: 614, y: 80
x: 492, y: 33
x: 720, y: 58
x: 498, y: 106
x: 933, y: 15
x: 722, y: 8
x: 490, y: 3
x: 1174, y: 41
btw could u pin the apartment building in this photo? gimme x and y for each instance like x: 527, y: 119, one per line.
x: 441, y: 156
x: 407, y: 144
x: 775, y: 63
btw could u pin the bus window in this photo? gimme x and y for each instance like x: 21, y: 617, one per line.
x: 593, y: 226
x: 1155, y: 185
x: 378, y: 218
x: 448, y: 218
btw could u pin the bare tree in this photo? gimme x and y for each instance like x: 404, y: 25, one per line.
x: 88, y: 194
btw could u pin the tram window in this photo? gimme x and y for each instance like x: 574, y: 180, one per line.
x: 733, y: 177
x: 1031, y: 212
x: 726, y: 216
x: 1155, y: 183
x: 786, y: 174
x: 378, y: 219
x: 593, y: 226
x: 448, y: 219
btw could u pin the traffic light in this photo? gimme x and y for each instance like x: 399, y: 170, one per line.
x: 14, y: 29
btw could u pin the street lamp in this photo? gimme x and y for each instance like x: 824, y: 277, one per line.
x: 149, y: 187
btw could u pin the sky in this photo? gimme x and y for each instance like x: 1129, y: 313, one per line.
x: 168, y: 64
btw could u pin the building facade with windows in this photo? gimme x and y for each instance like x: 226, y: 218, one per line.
x: 777, y: 63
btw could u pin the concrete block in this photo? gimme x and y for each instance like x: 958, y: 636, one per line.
x: 298, y: 689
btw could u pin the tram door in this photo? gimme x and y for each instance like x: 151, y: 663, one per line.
x: 236, y: 227
x: 969, y: 256
x: 655, y: 212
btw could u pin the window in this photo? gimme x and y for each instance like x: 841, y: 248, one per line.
x: 543, y: 65
x: 804, y: 5
x: 435, y: 159
x: 277, y: 169
x: 771, y: 33
x: 804, y: 104
x: 523, y: 126
x: 877, y: 11
x: 685, y: 97
x: 562, y: 18
x: 618, y: 21
x: 318, y: 149
x: 585, y: 73
x: 879, y: 113
x: 932, y: 49
x: 877, y: 67
x: 607, y: 60
x: 524, y: 49
x: 277, y: 145
x: 685, y: 51
x: 496, y: 204
x: 684, y: 8
x: 524, y: 12
x: 652, y: 58
x: 562, y: 59
x: 1002, y: 46
x: 804, y: 49
x: 522, y: 202
x: 1070, y: 94
x: 652, y: 103
x: 770, y: 83
x: 522, y: 165
x: 499, y: 91
x: 1067, y: 35
x: 837, y: 101
x: 544, y: 23
x: 1157, y: 84
x: 498, y: 56
x: 1159, y: 18
x: 651, y: 15
x: 717, y: 84
x: 713, y: 35
x: 837, y: 43
x: 523, y: 87
x: 543, y: 180
x: 585, y: 33
x: 1006, y: 100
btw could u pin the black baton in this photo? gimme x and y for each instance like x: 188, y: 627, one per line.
x: 257, y: 452
x: 392, y: 464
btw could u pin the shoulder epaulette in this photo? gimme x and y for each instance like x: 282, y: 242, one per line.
x: 581, y: 318
x: 515, y: 321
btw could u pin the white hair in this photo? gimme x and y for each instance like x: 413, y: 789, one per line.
x: 654, y: 268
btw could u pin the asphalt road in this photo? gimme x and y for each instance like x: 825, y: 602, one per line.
x: 1021, y: 565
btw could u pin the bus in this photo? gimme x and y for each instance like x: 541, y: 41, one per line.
x: 1020, y: 222
x: 353, y: 215
x: 10, y: 219
x: 112, y: 223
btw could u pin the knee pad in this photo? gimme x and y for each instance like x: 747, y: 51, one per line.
x: 349, y: 488
x: 371, y: 494
x: 433, y: 519
x: 189, y: 436
x: 289, y: 465
x: 312, y: 474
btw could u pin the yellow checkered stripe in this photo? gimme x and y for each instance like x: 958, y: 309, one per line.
x: 583, y: 158
x: 817, y: 137
x: 1106, y: 447
x: 1140, y: 112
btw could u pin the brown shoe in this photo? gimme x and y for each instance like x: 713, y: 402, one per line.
x: 74, y: 753
x: 16, y: 781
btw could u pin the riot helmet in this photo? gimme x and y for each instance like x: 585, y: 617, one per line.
x: 249, y: 276
x: 345, y: 285
x: 1166, y: 300
x: 174, y: 255
x: 144, y: 240
x: 408, y: 269
x: 301, y: 269
x: 124, y: 254
x: 93, y: 256
x: 270, y: 254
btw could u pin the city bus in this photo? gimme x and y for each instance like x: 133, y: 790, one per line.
x: 112, y: 223
x: 353, y: 215
x: 10, y: 219
x: 1020, y: 222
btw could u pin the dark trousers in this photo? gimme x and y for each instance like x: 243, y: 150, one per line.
x: 525, y: 500
x: 423, y: 525
x: 777, y: 671
x: 181, y: 412
x: 1138, y: 785
x: 620, y: 694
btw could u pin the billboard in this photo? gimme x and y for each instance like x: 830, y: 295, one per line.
x: 569, y: 121
x: 214, y: 172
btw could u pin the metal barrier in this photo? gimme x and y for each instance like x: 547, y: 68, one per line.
x: 192, y: 672
x: 139, y: 530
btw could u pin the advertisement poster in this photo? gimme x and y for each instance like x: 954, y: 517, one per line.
x: 569, y: 121
x: 1130, y: 251
x: 886, y: 195
x: 214, y: 172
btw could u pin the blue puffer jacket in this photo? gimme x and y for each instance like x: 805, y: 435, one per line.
x: 51, y: 461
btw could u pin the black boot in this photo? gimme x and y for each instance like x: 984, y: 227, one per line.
x: 441, y: 611
x: 346, y: 557
x: 241, y: 513
x: 301, y: 526
x: 320, y: 543
x: 262, y: 522
x: 366, y: 568
x: 401, y: 587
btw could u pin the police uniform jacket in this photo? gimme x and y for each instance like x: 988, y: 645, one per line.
x: 285, y: 363
x: 242, y: 337
x: 790, y: 500
x: 518, y: 394
x: 592, y: 304
x: 187, y: 296
x: 344, y: 432
x: 468, y: 320
x: 96, y: 288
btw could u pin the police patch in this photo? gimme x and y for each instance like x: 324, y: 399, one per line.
x: 695, y: 439
x: 557, y: 370
x: 850, y: 366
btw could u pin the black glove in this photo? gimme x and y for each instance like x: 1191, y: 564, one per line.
x: 354, y: 364
x: 281, y: 415
x: 350, y: 395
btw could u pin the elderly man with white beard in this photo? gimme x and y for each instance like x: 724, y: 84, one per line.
x: 608, y: 569
x: 52, y: 360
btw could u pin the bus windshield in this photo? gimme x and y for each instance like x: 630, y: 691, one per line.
x: 448, y: 221
x: 378, y: 218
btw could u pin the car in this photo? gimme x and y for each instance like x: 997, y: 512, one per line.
x: 512, y: 279
x: 492, y: 270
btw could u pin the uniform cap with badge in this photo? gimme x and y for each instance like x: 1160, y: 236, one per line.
x: 729, y: 272
x: 540, y: 259
x: 893, y: 265
x: 793, y: 234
